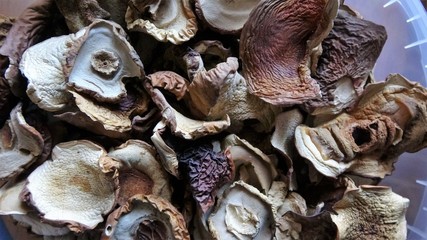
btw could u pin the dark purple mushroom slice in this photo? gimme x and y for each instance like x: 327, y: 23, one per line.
x: 276, y: 44
x: 342, y: 77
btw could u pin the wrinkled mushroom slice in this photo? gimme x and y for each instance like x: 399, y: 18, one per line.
x: 226, y: 17
x: 33, y: 25
x: 251, y: 164
x: 170, y: 81
x: 214, y: 49
x: 221, y: 91
x: 371, y: 212
x: 342, y: 77
x: 107, y: 119
x: 319, y: 226
x: 167, y: 21
x: 71, y: 188
x: 242, y: 212
x: 10, y: 202
x: 167, y: 155
x: 146, y: 217
x: 206, y: 171
x: 181, y: 125
x: 388, y: 121
x: 5, y: 26
x: 79, y: 14
x: 140, y: 156
x: 99, y: 61
x: 33, y: 222
x: 20, y: 145
x: 276, y: 56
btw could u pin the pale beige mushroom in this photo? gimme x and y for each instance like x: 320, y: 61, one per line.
x: 226, y: 17
x: 242, y: 212
x: 167, y: 155
x: 172, y: 21
x: 71, y: 188
x: 275, y: 47
x: 146, y: 217
x: 138, y: 169
x: 251, y: 165
x: 20, y: 145
x: 371, y: 212
x: 10, y: 203
x: 388, y: 120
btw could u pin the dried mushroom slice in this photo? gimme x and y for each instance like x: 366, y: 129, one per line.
x: 206, y: 171
x: 172, y: 21
x: 170, y: 81
x: 342, y: 77
x: 10, y: 203
x: 139, y: 170
x: 371, y: 212
x: 251, y: 165
x: 167, y: 155
x: 242, y: 212
x: 5, y: 26
x: 226, y: 17
x: 33, y: 223
x: 181, y: 125
x: 275, y: 48
x: 80, y: 13
x: 71, y: 189
x: 99, y: 62
x: 221, y: 91
x: 146, y: 217
x: 319, y: 226
x: 20, y: 145
x: 389, y: 120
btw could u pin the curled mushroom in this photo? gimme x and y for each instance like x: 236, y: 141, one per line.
x: 20, y: 145
x: 275, y: 47
x: 388, y: 120
x: 342, y: 77
x: 146, y: 217
x: 371, y: 212
x: 71, y: 189
x: 172, y: 21
x: 242, y: 212
x: 226, y: 17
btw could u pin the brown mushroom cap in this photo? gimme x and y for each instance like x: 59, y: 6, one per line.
x: 71, y: 188
x: 172, y: 21
x: 226, y: 17
x: 275, y: 46
x: 20, y: 145
x: 146, y: 217
x: 371, y: 212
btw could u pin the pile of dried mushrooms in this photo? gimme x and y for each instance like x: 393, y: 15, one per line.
x: 200, y: 119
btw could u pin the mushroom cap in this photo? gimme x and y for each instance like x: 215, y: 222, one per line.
x: 20, y: 145
x: 276, y: 56
x: 372, y: 212
x: 226, y: 17
x: 172, y: 21
x: 71, y: 188
x: 146, y: 217
x: 242, y: 212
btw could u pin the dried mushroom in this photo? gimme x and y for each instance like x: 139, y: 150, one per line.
x: 71, y: 189
x: 79, y: 14
x: 167, y: 155
x: 242, y: 212
x: 172, y: 21
x: 221, y: 91
x: 251, y: 165
x: 146, y: 217
x: 33, y: 222
x: 20, y: 145
x: 342, y: 77
x: 138, y: 170
x: 6, y: 24
x: 10, y: 202
x: 227, y: 17
x: 388, y: 120
x: 170, y: 81
x: 371, y: 212
x: 207, y: 171
x: 319, y: 226
x: 276, y: 56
